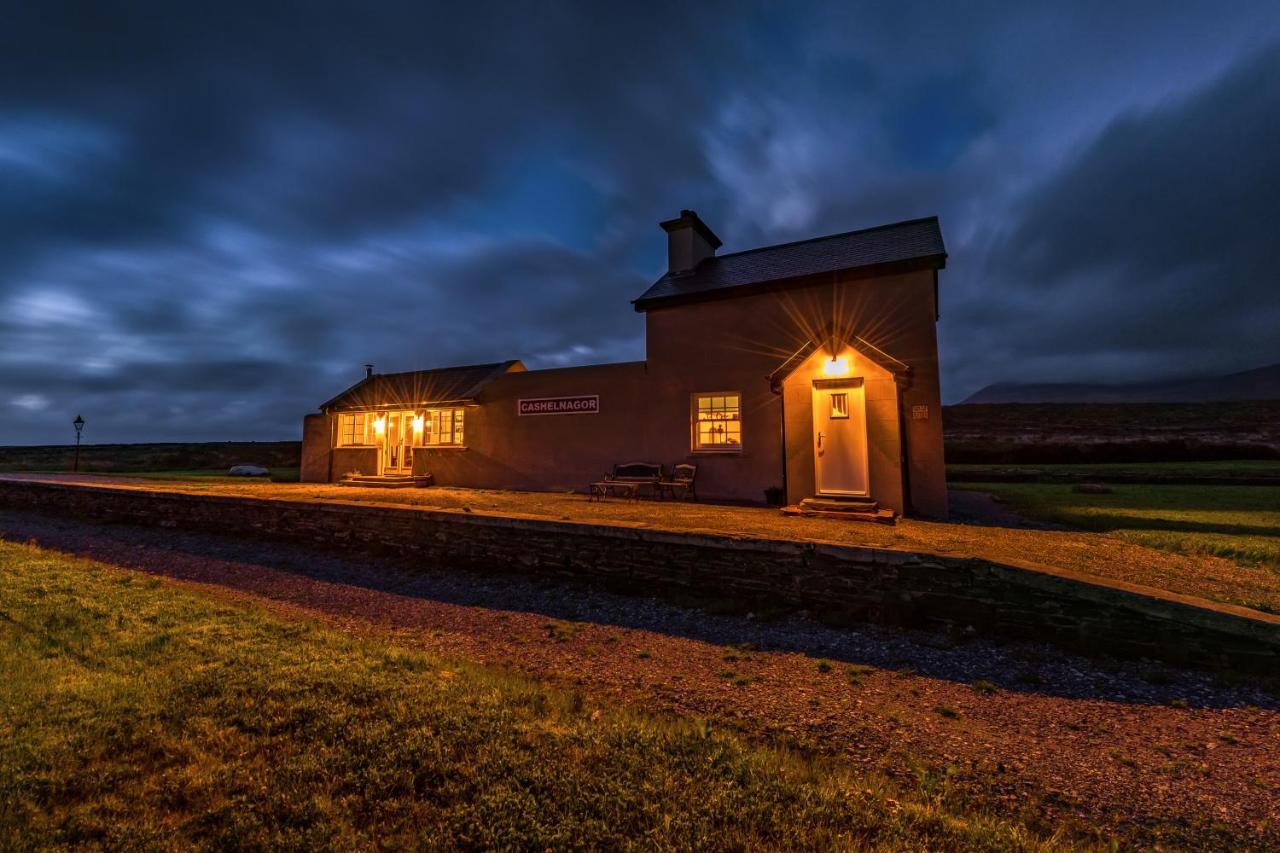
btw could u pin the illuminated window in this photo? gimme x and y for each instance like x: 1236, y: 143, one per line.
x: 717, y: 422
x: 440, y: 428
x: 840, y: 405
x: 353, y: 430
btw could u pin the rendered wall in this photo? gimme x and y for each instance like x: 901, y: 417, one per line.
x: 350, y: 459
x: 733, y: 343
x: 505, y: 450
x: 317, y: 441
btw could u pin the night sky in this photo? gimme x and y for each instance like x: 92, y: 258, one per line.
x: 211, y: 215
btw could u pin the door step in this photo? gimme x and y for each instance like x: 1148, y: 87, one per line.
x: 834, y: 504
x: 387, y: 481
x: 850, y: 509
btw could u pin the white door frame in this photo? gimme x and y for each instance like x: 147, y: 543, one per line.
x: 857, y: 402
x: 404, y: 425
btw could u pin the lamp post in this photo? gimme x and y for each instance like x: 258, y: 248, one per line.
x: 78, y: 423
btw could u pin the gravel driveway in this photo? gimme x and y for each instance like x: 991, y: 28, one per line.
x: 1023, y: 728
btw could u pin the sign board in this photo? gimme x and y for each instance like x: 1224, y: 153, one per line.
x: 585, y: 404
x: 919, y: 413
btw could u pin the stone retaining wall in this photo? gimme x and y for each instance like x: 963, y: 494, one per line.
x: 834, y: 582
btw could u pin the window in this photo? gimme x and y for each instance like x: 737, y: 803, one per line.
x: 717, y: 422
x: 440, y: 428
x: 840, y: 405
x: 353, y: 430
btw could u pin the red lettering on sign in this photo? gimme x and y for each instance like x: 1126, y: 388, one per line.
x: 587, y: 404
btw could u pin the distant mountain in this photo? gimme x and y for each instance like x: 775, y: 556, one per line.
x: 1262, y: 383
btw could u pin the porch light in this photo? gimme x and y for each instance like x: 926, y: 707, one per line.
x: 380, y: 424
x: 417, y: 423
x: 837, y: 366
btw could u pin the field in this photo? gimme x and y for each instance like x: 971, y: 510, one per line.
x: 136, y: 712
x: 1223, y: 473
x: 200, y: 458
x: 216, y: 475
x: 269, y: 700
x: 1239, y: 523
x: 1059, y: 433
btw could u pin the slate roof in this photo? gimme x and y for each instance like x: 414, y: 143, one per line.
x: 915, y: 242
x: 420, y: 387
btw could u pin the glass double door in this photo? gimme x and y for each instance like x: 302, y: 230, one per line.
x: 397, y: 443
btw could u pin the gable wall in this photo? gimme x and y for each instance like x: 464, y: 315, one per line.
x: 732, y: 344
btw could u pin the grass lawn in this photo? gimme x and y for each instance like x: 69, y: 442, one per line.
x: 1240, y: 523
x: 135, y: 712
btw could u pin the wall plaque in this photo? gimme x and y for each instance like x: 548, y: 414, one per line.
x: 919, y: 413
x: 584, y: 404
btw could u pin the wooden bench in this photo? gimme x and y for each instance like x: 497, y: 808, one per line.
x: 628, y: 480
x: 681, y: 482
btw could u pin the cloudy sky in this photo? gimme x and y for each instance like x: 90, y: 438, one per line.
x: 211, y: 215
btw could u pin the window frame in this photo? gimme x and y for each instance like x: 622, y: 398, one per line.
x: 694, y: 436
x: 457, y: 428
x: 362, y: 434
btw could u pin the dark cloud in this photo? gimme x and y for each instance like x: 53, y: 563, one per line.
x: 1152, y: 253
x: 211, y: 216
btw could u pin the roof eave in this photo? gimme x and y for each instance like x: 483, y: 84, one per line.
x: 325, y: 406
x: 372, y: 407
x: 468, y: 398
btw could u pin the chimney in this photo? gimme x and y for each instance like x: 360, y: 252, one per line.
x: 368, y: 371
x: 689, y: 242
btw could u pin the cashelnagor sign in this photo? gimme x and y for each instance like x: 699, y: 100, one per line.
x: 585, y: 404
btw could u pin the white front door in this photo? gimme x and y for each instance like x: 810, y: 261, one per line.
x: 840, y: 438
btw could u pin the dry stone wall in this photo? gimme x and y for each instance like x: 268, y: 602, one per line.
x: 837, y: 583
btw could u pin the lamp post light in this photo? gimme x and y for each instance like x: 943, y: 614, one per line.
x: 78, y: 423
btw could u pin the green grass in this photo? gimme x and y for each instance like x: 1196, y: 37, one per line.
x: 1240, y: 523
x: 138, y: 713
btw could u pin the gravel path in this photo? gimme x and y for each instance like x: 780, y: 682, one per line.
x: 1055, y: 737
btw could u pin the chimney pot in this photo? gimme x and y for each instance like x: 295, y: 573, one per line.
x: 368, y: 371
x: 689, y: 242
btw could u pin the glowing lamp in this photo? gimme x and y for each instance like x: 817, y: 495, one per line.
x: 380, y: 425
x: 417, y: 423
x: 837, y: 366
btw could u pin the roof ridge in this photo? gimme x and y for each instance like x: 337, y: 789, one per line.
x: 885, y: 227
x: 450, y: 367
